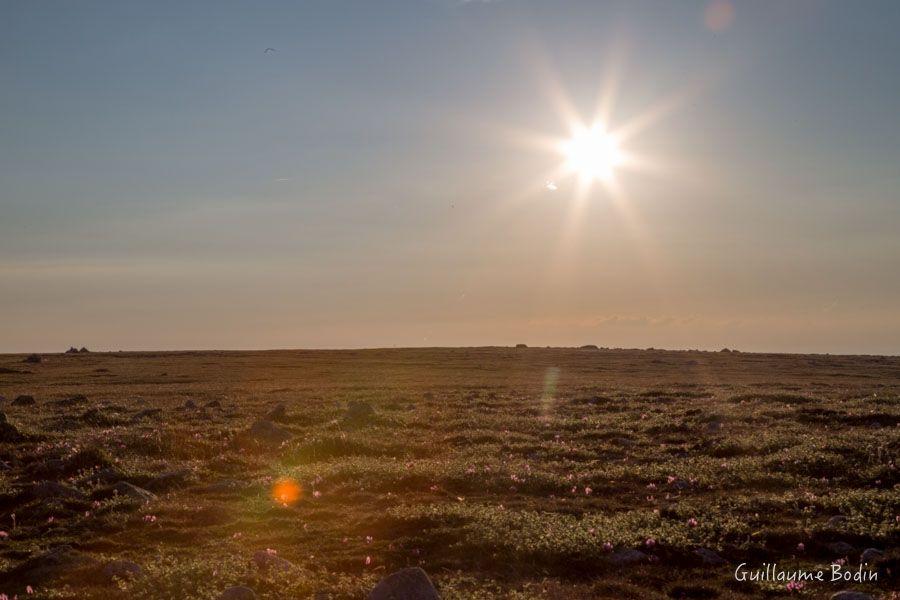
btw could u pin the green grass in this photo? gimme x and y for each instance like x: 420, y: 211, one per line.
x: 469, y: 468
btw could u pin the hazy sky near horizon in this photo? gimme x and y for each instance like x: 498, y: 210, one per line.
x: 167, y: 183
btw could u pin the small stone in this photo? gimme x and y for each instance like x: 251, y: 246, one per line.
x: 840, y: 548
x: 59, y: 562
x: 277, y: 413
x: 714, y: 427
x: 213, y: 404
x: 104, y: 475
x: 190, y: 404
x: 837, y: 521
x: 268, y: 432
x: 266, y: 560
x: 411, y: 583
x: 238, y: 592
x: 170, y: 480
x: 128, y: 490
x: 359, y: 412
x: 850, y: 595
x: 23, y: 401
x: 33, y: 358
x: 223, y: 486
x: 708, y: 557
x: 46, y: 490
x: 121, y: 569
x: 9, y: 432
x: 147, y: 412
x: 870, y: 555
x: 627, y: 557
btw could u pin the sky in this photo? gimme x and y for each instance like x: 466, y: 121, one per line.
x: 379, y: 176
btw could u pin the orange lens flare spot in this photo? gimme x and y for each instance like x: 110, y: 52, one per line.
x: 286, y: 491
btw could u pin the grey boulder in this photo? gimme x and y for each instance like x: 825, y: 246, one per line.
x: 406, y: 584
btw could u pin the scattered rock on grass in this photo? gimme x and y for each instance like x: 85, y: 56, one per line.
x: 267, y: 432
x: 46, y: 490
x: 121, y: 569
x: 238, y: 592
x: 147, y: 412
x: 23, y: 401
x: 870, y: 555
x: 170, y: 480
x: 411, y: 583
x: 708, y: 557
x: 840, y: 548
x: 59, y: 562
x: 277, y: 413
x: 267, y: 560
x: 128, y: 490
x: 850, y: 595
x: 97, y: 418
x: 9, y: 432
x: 627, y: 557
x: 359, y: 412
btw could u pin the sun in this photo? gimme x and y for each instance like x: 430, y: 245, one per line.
x: 592, y: 153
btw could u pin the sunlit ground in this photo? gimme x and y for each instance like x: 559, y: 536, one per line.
x: 504, y: 473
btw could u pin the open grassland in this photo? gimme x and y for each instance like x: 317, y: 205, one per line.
x: 504, y: 473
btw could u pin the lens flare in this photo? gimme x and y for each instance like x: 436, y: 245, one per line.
x: 286, y: 491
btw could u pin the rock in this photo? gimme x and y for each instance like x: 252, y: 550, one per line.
x: 23, y: 401
x: 714, y: 427
x: 190, y: 404
x: 237, y: 592
x: 147, y: 412
x: 213, y: 404
x: 870, y: 555
x: 837, y: 521
x: 266, y: 560
x: 47, y: 490
x: 277, y: 413
x: 9, y: 432
x: 411, y: 583
x: 170, y: 480
x: 223, y: 486
x: 268, y: 432
x: 75, y: 400
x: 128, y: 490
x: 59, y: 562
x: 708, y: 557
x: 83, y: 350
x: 72, y: 350
x: 840, y: 548
x: 121, y: 569
x: 96, y: 417
x: 359, y: 412
x: 52, y: 468
x: 104, y: 476
x: 627, y: 557
x: 33, y: 358
x: 850, y: 595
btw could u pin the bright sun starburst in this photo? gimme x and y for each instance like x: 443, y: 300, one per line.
x: 592, y: 153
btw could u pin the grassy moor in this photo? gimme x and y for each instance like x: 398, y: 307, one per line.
x: 518, y: 473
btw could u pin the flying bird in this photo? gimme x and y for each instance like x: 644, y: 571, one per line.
x: 551, y: 186
x: 269, y: 51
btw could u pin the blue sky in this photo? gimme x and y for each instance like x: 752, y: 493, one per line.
x: 166, y: 183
